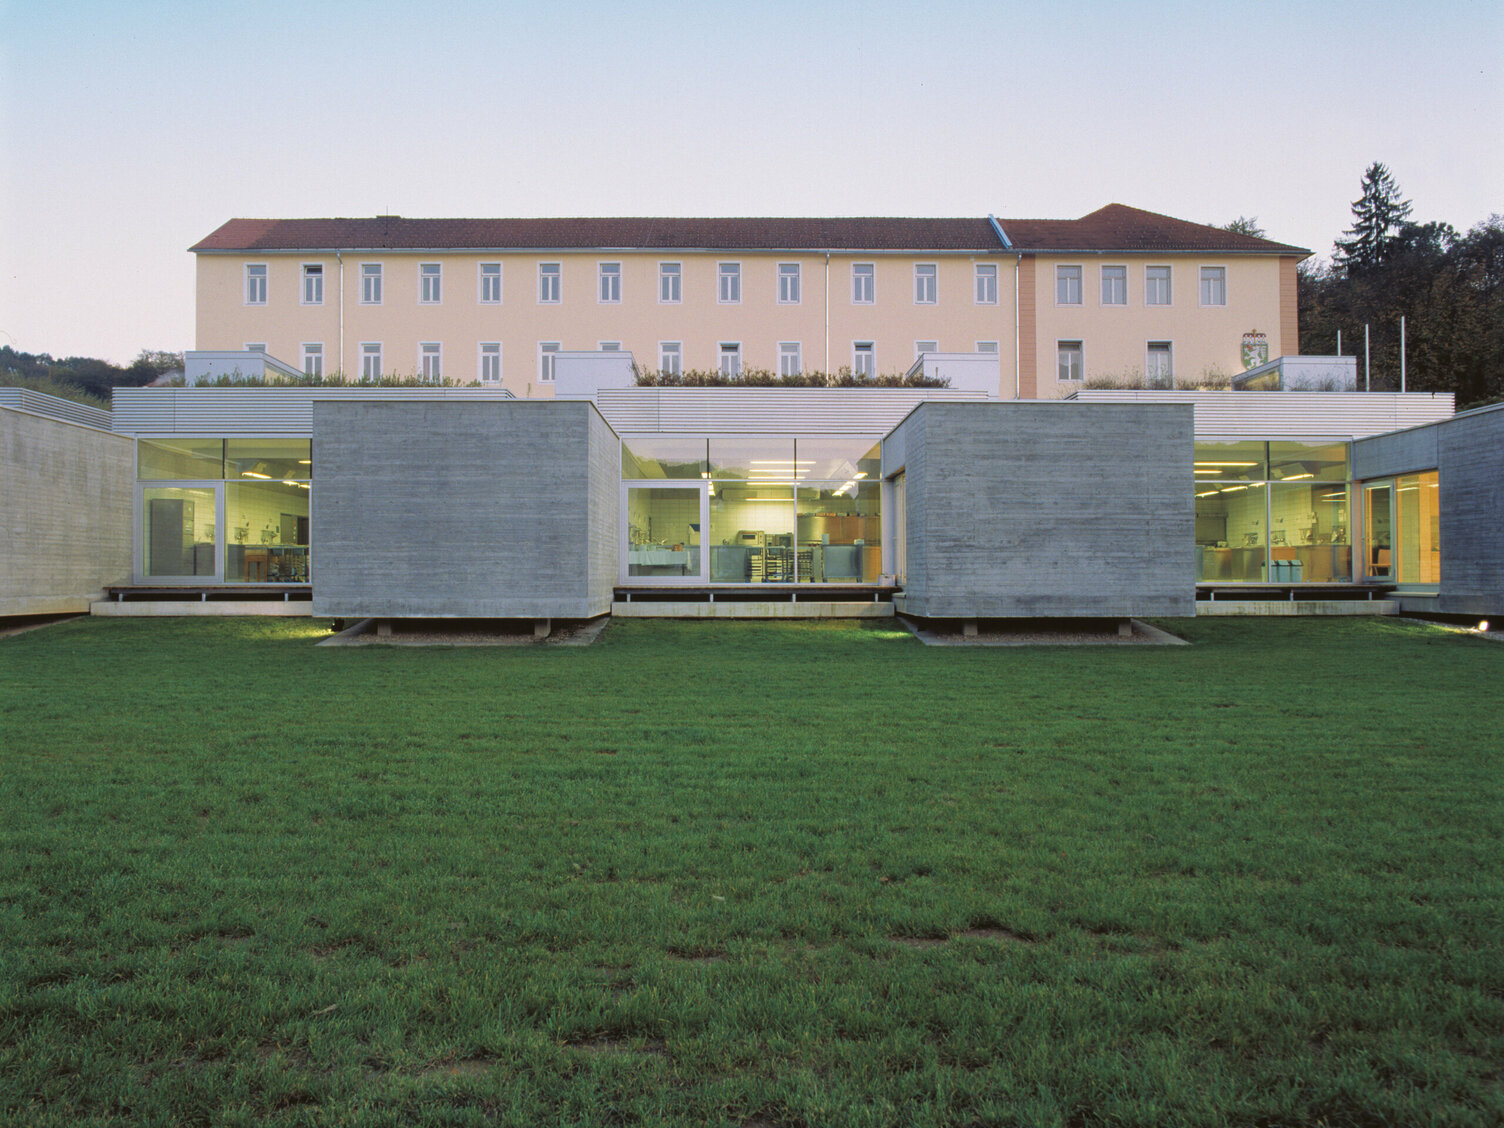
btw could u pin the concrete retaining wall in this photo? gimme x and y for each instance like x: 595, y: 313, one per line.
x: 496, y: 509
x: 1047, y: 510
x: 65, y: 513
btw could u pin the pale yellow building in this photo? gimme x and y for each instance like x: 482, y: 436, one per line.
x: 1120, y: 295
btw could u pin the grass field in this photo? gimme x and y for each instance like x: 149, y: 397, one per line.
x: 751, y: 875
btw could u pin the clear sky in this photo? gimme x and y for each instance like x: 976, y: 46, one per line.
x: 130, y: 129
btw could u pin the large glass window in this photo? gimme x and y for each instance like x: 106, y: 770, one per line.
x: 751, y: 533
x: 840, y: 531
x: 267, y: 537
x: 1274, y: 512
x: 268, y: 459
x: 663, y: 532
x: 167, y: 459
x: 1403, y: 535
x: 180, y: 530
x: 663, y: 456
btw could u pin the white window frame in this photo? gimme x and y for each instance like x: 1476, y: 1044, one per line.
x: 313, y: 358
x: 1151, y: 286
x: 864, y: 283
x: 920, y: 349
x: 1159, y: 348
x: 1217, y: 277
x: 729, y: 358
x: 255, y: 346
x: 671, y: 357
x: 864, y: 358
x: 608, y: 346
x: 986, y: 283
x: 550, y: 283
x: 1068, y: 284
x: 255, y: 283
x: 728, y: 283
x: 1070, y: 361
x: 547, y: 351
x: 608, y: 277
x: 312, y: 293
x: 790, y: 358
x: 987, y: 347
x: 431, y: 351
x: 789, y: 283
x: 430, y: 283
x: 488, y: 355
x: 926, y: 283
x: 1118, y: 274
x: 370, y: 351
x: 370, y: 283
x: 488, y: 283
x: 670, y: 283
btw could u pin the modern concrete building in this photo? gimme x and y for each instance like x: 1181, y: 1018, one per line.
x: 940, y: 503
x: 1120, y: 294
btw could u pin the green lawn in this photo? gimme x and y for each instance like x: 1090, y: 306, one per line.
x: 751, y: 875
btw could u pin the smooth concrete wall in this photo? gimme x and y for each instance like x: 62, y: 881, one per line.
x: 1467, y: 452
x: 495, y: 509
x: 65, y: 513
x: 1047, y: 509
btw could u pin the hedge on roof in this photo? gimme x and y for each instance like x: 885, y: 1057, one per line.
x: 766, y: 378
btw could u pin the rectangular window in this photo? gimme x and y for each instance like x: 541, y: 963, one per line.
x: 1160, y: 369
x: 1156, y: 285
x: 670, y: 283
x: 490, y: 362
x: 1069, y: 356
x: 548, y: 284
x: 863, y: 358
x: 490, y: 283
x: 925, y: 283
x: 729, y: 275
x: 610, y: 279
x: 370, y: 360
x: 731, y: 358
x: 370, y: 283
x: 609, y: 346
x: 313, y: 358
x: 546, y: 351
x: 255, y: 346
x: 1114, y: 285
x: 863, y: 283
x: 430, y: 275
x: 255, y: 284
x: 986, y: 346
x: 1068, y: 285
x: 429, y: 354
x: 670, y: 355
x: 1214, y: 285
x: 922, y: 347
x: 986, y: 283
x: 313, y: 283
x: 789, y: 362
x: 788, y: 283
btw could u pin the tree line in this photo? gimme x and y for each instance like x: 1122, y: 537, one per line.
x: 83, y: 378
x: 1448, y: 286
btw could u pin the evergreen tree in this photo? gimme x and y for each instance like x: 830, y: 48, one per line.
x: 1377, y: 215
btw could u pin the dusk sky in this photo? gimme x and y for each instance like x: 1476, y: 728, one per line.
x: 130, y: 130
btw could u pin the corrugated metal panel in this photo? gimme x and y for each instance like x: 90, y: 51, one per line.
x: 827, y: 411
x: 1293, y: 415
x: 254, y: 411
x: 40, y: 403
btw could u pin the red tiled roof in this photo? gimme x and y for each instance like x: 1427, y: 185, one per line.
x: 1117, y: 227
x: 1113, y: 228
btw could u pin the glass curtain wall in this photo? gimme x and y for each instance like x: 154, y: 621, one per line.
x: 1275, y: 512
x: 1402, y: 534
x: 782, y: 509
x: 240, y: 505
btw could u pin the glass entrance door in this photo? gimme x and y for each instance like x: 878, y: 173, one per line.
x: 1378, y: 531
x: 661, y: 535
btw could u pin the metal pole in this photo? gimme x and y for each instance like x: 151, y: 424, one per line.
x: 1366, y: 386
x: 1402, y: 354
x: 1339, y: 342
